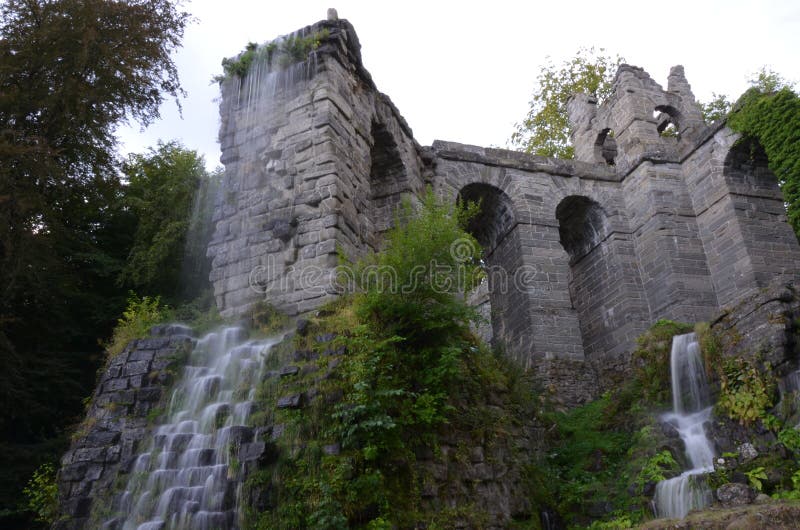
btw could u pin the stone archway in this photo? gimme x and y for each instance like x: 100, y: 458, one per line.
x: 491, y: 227
x: 604, y: 289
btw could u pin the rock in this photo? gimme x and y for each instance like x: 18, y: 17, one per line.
x: 735, y: 494
x: 289, y: 370
x: 239, y: 434
x: 251, y: 451
x: 747, y: 452
x: 669, y: 430
x: 304, y: 355
x: 599, y: 509
x: 302, y: 327
x: 293, y: 401
x: 762, y: 498
x: 325, y: 337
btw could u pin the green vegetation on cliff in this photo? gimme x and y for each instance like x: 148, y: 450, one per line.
x: 399, y: 401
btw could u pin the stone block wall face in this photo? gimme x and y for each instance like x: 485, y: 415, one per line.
x: 298, y: 159
x: 106, y: 444
x: 325, y: 160
x: 742, y: 219
x: 666, y: 239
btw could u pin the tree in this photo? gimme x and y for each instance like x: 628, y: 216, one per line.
x: 765, y: 80
x: 70, y: 72
x: 545, y: 129
x: 167, y: 191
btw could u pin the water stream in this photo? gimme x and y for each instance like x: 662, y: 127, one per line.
x: 691, y: 406
x: 186, y: 478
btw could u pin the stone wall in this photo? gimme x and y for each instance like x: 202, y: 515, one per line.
x: 133, y: 384
x: 582, y: 255
x: 316, y: 159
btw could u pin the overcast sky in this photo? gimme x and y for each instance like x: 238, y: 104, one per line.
x: 464, y: 71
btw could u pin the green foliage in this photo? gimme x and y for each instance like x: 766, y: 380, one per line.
x: 545, y: 129
x: 772, y: 116
x: 622, y: 522
x: 70, y: 72
x: 609, y: 449
x: 400, y: 389
x: 790, y: 438
x: 717, y: 109
x: 42, y: 494
x: 283, y: 53
x: 587, y: 461
x: 745, y: 392
x: 266, y: 319
x: 137, y: 319
x: 710, y: 348
x: 651, y: 360
x: 413, y: 287
x: 755, y: 476
x: 166, y: 191
x: 655, y: 467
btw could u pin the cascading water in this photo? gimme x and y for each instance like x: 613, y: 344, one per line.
x: 269, y: 74
x: 186, y: 478
x: 691, y: 409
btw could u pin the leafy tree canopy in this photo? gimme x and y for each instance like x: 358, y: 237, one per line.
x: 545, y: 129
x: 161, y: 195
x: 70, y: 72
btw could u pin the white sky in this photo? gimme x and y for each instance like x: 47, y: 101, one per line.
x: 464, y: 71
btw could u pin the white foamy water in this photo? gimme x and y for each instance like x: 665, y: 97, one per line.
x: 675, y: 497
x: 186, y: 478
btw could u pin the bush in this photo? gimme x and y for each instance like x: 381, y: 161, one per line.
x: 410, y: 360
x: 745, y: 392
x: 415, y: 287
x: 42, y: 494
x: 137, y: 319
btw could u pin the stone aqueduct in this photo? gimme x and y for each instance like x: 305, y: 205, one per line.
x: 639, y: 226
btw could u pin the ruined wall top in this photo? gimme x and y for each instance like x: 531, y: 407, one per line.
x: 639, y: 121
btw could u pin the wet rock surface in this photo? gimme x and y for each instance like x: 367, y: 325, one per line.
x: 128, y: 393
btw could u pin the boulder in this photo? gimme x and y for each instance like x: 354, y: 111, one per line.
x: 735, y: 494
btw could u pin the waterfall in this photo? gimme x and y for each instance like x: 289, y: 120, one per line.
x: 691, y: 410
x: 186, y: 479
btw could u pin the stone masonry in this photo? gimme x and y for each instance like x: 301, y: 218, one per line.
x: 133, y: 384
x: 582, y: 255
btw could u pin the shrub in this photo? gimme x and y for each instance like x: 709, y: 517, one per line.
x: 137, y: 319
x: 42, y: 494
x: 745, y: 392
x: 415, y: 287
x: 790, y: 438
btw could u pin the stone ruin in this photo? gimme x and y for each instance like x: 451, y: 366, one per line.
x: 582, y: 255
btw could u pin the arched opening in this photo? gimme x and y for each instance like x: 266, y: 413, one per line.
x: 747, y: 162
x: 603, y: 286
x: 764, y: 247
x: 388, y: 179
x: 668, y: 121
x: 605, y: 147
x: 582, y: 226
x: 492, y: 227
x: 496, y: 216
